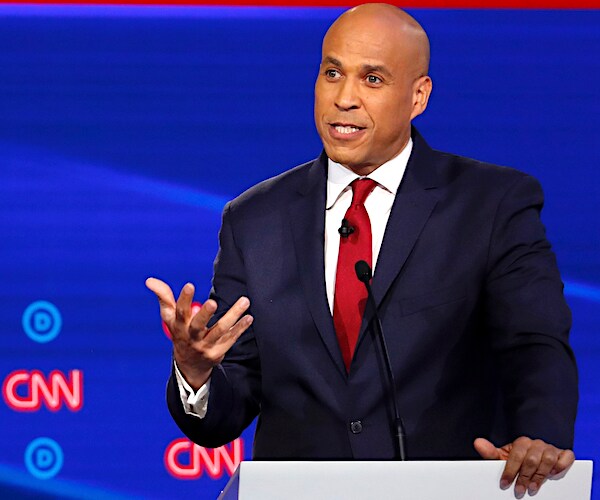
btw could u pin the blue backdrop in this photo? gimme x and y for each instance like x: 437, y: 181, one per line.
x: 124, y: 130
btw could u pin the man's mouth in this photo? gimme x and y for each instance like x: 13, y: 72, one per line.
x: 346, y: 129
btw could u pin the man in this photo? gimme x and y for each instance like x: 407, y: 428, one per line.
x: 465, y: 283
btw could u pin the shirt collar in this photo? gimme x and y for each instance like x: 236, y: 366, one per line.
x: 388, y: 176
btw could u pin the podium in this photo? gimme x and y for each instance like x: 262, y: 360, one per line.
x: 436, y: 480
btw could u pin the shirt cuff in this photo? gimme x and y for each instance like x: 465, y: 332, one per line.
x: 194, y: 403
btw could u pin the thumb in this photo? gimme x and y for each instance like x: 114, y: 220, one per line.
x: 165, y: 296
x: 486, y: 449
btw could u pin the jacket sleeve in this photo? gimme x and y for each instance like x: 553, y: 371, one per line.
x: 234, y: 397
x: 528, y: 321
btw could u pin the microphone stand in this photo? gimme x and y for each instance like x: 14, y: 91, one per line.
x: 364, y: 274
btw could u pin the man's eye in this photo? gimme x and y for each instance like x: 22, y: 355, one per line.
x: 373, y: 79
x: 332, y: 73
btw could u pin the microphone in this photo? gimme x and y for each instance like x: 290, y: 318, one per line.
x: 345, y: 229
x: 364, y: 274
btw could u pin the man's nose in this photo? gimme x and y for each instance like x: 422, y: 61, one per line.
x: 347, y: 97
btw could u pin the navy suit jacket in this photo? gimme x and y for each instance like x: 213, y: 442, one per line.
x: 471, y: 303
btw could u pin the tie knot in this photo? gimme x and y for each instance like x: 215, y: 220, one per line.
x: 361, y: 188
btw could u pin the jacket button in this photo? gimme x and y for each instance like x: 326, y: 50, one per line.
x: 356, y: 427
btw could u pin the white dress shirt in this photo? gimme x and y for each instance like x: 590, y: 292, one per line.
x: 339, y: 197
x: 378, y: 204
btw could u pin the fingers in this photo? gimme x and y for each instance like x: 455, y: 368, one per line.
x: 531, y: 462
x: 515, y: 465
x: 486, y: 449
x: 197, y: 348
x: 226, y: 326
x: 229, y: 337
x: 546, y: 461
x: 176, y: 314
x: 566, y: 458
x: 183, y: 310
x: 201, y: 318
x: 212, y: 344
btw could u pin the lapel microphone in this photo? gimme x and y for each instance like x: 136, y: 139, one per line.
x: 345, y: 229
x: 364, y: 274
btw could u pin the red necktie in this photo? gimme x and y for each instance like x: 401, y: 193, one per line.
x: 350, y: 294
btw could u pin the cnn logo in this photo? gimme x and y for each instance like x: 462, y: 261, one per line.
x: 26, y: 390
x: 186, y: 460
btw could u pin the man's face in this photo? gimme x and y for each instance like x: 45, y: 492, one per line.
x: 365, y: 96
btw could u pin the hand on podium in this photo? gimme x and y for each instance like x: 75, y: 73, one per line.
x: 196, y: 347
x: 530, y: 461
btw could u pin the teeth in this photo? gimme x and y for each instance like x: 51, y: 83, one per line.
x: 346, y: 130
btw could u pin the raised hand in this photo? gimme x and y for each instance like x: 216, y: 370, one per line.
x: 197, y: 348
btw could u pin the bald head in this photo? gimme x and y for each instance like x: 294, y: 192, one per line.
x: 392, y: 26
x: 372, y: 82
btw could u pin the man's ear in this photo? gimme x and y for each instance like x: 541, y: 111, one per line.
x: 421, y: 92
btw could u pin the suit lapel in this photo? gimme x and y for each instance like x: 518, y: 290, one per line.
x: 415, y: 200
x: 414, y: 203
x: 307, y: 219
